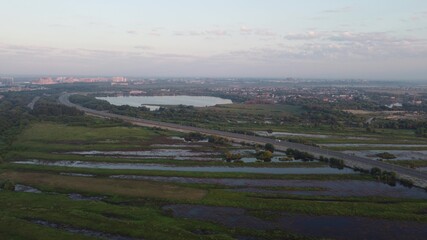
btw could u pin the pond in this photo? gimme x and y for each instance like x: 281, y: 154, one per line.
x: 153, y: 102
x: 163, y: 167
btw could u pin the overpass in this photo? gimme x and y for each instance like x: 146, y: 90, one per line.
x: 419, y: 178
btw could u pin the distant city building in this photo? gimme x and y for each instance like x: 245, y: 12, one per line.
x: 394, y: 105
x: 119, y: 79
x: 45, y: 81
x: 136, y: 92
x: 6, y: 81
x: 59, y: 80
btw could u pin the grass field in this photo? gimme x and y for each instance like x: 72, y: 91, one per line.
x: 133, y: 208
x: 258, y: 109
x: 141, y: 189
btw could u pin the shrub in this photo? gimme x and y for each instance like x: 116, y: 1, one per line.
x: 265, y: 156
x: 386, y: 155
x: 232, y: 157
x: 337, y: 163
x: 375, y: 171
x: 8, y: 185
x: 269, y: 147
x: 406, y: 182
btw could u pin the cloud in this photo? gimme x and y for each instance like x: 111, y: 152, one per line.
x: 339, y: 10
x: 303, y: 36
x: 209, y: 32
x: 419, y: 16
x: 27, y: 50
x: 60, y: 26
x: 156, y: 32
x: 131, y: 32
x: 344, y: 45
x: 264, y: 32
x: 143, y: 47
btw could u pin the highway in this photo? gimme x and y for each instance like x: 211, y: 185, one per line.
x: 419, y: 178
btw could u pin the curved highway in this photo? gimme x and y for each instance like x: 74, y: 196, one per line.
x: 419, y: 178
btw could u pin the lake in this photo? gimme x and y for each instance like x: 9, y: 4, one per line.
x: 154, y: 102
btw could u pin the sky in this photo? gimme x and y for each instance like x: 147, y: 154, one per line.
x: 360, y: 39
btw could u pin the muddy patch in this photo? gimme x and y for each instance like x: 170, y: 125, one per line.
x: 335, y: 227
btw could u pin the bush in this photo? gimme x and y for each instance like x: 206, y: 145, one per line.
x: 376, y: 172
x: 217, y: 140
x: 8, y: 185
x: 232, y: 157
x: 337, y: 163
x: 406, y: 182
x: 264, y: 156
x: 269, y: 147
x: 194, y: 137
x: 386, y: 155
x: 389, y: 178
x: 304, y: 156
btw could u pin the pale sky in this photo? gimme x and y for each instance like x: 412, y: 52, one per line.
x: 370, y: 39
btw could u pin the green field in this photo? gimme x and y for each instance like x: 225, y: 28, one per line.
x: 133, y: 208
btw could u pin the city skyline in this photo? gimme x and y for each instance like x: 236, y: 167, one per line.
x: 383, y: 39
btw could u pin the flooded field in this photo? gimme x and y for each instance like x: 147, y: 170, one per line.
x: 175, y: 146
x: 289, y: 134
x: 79, y: 197
x: 335, y: 227
x: 306, y: 135
x: 142, y: 166
x: 27, y: 189
x: 85, y: 232
x: 343, y: 188
x: 77, y: 174
x: 371, y: 145
x: 153, y: 153
x: 174, y: 154
x: 400, y: 154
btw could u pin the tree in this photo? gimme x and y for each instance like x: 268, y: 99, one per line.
x: 376, y: 172
x: 265, y: 156
x: 421, y: 132
x: 269, y: 147
x: 232, y: 157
